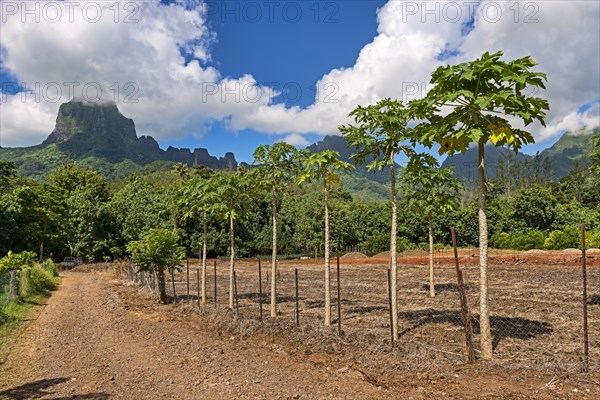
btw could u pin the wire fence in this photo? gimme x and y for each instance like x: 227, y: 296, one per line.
x: 536, y: 308
x: 4, y: 289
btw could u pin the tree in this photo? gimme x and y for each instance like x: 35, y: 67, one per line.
x: 379, y: 135
x: 156, y: 252
x: 595, y: 167
x: 7, y: 171
x: 198, y: 195
x: 277, y: 166
x: 467, y: 104
x: 430, y: 191
x: 535, y: 206
x: 181, y: 170
x: 231, y: 201
x: 320, y: 167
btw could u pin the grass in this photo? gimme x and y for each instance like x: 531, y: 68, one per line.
x: 14, y: 313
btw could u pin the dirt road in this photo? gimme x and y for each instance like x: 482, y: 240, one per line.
x: 96, y: 339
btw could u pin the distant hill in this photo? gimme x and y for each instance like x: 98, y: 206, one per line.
x: 101, y: 138
x: 339, y: 144
x: 570, y: 148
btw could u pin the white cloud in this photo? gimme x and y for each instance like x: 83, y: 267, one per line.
x: 176, y: 99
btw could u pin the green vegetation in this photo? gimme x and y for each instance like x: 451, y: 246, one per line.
x: 158, y: 251
x: 23, y: 284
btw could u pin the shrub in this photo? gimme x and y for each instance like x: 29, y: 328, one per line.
x: 49, y: 266
x: 376, y: 244
x: 40, y: 280
x: 592, y: 238
x: 570, y: 237
x: 529, y: 240
x: 500, y: 240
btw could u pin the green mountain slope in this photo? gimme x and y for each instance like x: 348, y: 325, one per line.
x: 101, y: 138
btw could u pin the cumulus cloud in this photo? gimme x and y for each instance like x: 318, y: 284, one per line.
x: 138, y: 61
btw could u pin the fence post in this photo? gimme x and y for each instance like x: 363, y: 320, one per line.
x: 339, y: 301
x: 260, y: 296
x: 12, y: 293
x: 215, y: 272
x: 464, y: 306
x: 173, y: 282
x: 586, y: 356
x: 389, y: 285
x: 198, y: 283
x: 187, y: 276
x: 297, y: 300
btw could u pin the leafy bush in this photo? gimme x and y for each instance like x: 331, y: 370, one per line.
x: 376, y: 244
x: 40, y: 280
x: 16, y: 261
x: 570, y: 237
x: 592, y: 238
x: 49, y: 266
x: 528, y: 240
x: 501, y: 240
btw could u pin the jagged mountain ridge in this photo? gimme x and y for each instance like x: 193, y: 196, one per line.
x: 99, y: 136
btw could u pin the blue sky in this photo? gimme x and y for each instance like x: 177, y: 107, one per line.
x: 231, y: 75
x: 288, y: 47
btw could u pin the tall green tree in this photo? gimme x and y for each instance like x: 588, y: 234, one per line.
x: 469, y: 103
x: 277, y: 166
x: 431, y: 191
x: 321, y: 166
x: 198, y: 196
x: 231, y: 201
x: 380, y: 134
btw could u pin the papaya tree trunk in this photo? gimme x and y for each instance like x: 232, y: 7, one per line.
x: 162, y: 287
x: 484, y: 317
x: 172, y: 272
x: 393, y: 241
x: 274, y: 260
x: 327, y: 259
x: 431, y: 280
x: 204, y: 247
x: 231, y: 259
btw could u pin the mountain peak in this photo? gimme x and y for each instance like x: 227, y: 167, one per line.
x: 78, y: 117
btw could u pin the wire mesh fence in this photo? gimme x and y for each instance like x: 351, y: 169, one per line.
x: 4, y: 289
x: 536, y: 309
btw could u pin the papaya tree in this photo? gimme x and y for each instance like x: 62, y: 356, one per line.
x: 472, y: 102
x: 277, y: 166
x: 230, y: 201
x: 381, y: 133
x: 320, y: 167
x: 158, y: 251
x: 431, y: 191
x: 197, y: 197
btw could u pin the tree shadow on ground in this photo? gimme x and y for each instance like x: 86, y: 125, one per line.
x: 369, y: 309
x: 443, y: 287
x: 321, y: 303
x: 42, y: 388
x: 502, y: 327
x: 266, y: 298
x: 594, y: 300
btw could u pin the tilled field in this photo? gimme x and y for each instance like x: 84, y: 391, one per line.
x: 536, y: 309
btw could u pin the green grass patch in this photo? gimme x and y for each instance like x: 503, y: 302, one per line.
x: 34, y: 292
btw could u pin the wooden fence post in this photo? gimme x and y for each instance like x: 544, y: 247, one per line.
x: 260, y: 297
x: 297, y: 300
x: 339, y: 300
x: 586, y: 355
x: 464, y: 306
